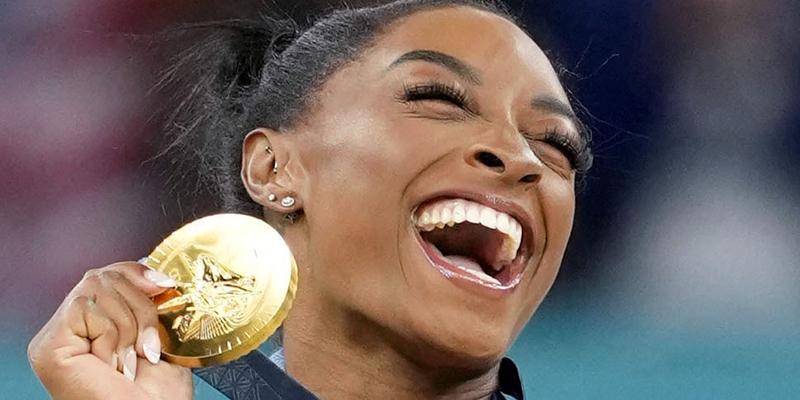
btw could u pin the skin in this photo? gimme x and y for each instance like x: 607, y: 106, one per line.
x: 80, y: 352
x: 370, y: 308
x: 372, y: 317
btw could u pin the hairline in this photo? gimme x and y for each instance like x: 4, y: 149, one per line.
x: 312, y: 101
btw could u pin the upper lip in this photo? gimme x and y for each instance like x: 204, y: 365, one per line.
x: 498, y: 203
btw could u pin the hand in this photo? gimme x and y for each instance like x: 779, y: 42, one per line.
x: 102, y: 342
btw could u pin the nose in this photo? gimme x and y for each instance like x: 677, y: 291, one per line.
x: 514, y: 163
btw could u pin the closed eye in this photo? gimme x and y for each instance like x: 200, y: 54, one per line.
x: 437, y: 92
x: 572, y: 152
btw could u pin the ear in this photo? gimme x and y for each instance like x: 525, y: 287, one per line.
x: 269, y: 172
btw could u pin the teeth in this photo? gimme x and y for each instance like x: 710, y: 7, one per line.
x: 481, y: 275
x: 435, y: 216
x: 474, y: 213
x: 424, y: 219
x: 455, y: 211
x: 447, y: 215
x: 469, y: 265
x: 488, y: 217
x: 459, y: 213
x: 503, y: 223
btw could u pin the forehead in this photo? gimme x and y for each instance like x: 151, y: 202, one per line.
x: 496, y: 47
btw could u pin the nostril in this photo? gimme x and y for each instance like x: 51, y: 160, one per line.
x: 530, y: 178
x: 490, y: 160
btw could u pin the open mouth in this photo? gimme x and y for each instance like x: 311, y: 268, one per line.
x: 473, y: 241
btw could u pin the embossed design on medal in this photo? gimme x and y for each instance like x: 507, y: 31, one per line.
x: 213, y: 303
x: 236, y: 280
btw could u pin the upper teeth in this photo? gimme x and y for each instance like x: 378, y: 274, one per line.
x: 455, y: 211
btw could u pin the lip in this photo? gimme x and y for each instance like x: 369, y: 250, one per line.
x: 499, y: 203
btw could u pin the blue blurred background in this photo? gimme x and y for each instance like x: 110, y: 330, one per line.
x: 682, y: 279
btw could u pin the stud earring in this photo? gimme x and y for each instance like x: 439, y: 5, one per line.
x: 287, y: 201
x: 268, y: 150
x: 272, y: 197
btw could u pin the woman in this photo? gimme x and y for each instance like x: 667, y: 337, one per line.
x: 420, y: 160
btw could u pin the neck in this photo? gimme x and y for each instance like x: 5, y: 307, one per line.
x: 338, y: 356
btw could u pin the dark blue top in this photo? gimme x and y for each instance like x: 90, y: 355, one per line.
x: 255, y: 377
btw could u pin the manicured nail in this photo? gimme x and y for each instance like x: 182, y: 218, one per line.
x: 129, y: 363
x: 159, y: 279
x: 142, y: 260
x: 151, y: 345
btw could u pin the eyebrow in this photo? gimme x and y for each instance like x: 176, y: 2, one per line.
x: 455, y: 65
x: 545, y: 103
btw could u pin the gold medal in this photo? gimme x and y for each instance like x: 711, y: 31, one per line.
x: 236, y: 280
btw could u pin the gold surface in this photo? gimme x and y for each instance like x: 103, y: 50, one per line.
x: 236, y: 280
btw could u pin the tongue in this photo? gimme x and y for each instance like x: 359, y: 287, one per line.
x: 470, y: 265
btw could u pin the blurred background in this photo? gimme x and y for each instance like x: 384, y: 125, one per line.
x: 682, y: 279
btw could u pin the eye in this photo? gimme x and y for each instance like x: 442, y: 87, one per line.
x: 557, y: 147
x: 436, y: 92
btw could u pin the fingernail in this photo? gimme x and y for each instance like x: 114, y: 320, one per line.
x: 142, y: 260
x: 129, y: 363
x: 159, y: 279
x: 151, y: 345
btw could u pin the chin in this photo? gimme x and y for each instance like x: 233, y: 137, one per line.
x: 441, y: 343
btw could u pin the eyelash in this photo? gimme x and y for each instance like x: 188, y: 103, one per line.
x: 564, y: 144
x: 434, y: 90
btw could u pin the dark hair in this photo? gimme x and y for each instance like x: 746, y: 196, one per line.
x: 248, y: 74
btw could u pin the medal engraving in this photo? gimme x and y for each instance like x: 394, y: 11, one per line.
x: 215, y: 302
x: 236, y: 280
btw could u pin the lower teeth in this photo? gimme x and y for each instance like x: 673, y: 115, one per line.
x: 469, y: 265
x: 481, y: 275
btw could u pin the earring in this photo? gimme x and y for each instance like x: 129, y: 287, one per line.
x: 272, y: 197
x: 291, y: 217
x: 287, y: 201
x: 274, y: 166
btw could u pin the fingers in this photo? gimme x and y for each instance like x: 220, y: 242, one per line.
x: 97, y: 331
x: 147, y: 343
x: 150, y: 282
x: 121, y: 292
x: 103, y: 286
x: 58, y: 353
x: 87, y: 320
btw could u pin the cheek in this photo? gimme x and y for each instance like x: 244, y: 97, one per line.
x: 557, y: 201
x: 558, y: 205
x: 352, y: 205
x: 355, y: 149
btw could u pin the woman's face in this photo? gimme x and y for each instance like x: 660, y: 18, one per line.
x: 454, y: 116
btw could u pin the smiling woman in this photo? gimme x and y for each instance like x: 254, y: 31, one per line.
x: 425, y: 156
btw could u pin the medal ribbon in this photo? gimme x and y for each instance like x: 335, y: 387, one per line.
x: 255, y: 377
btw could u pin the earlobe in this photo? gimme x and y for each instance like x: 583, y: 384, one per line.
x: 265, y: 158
